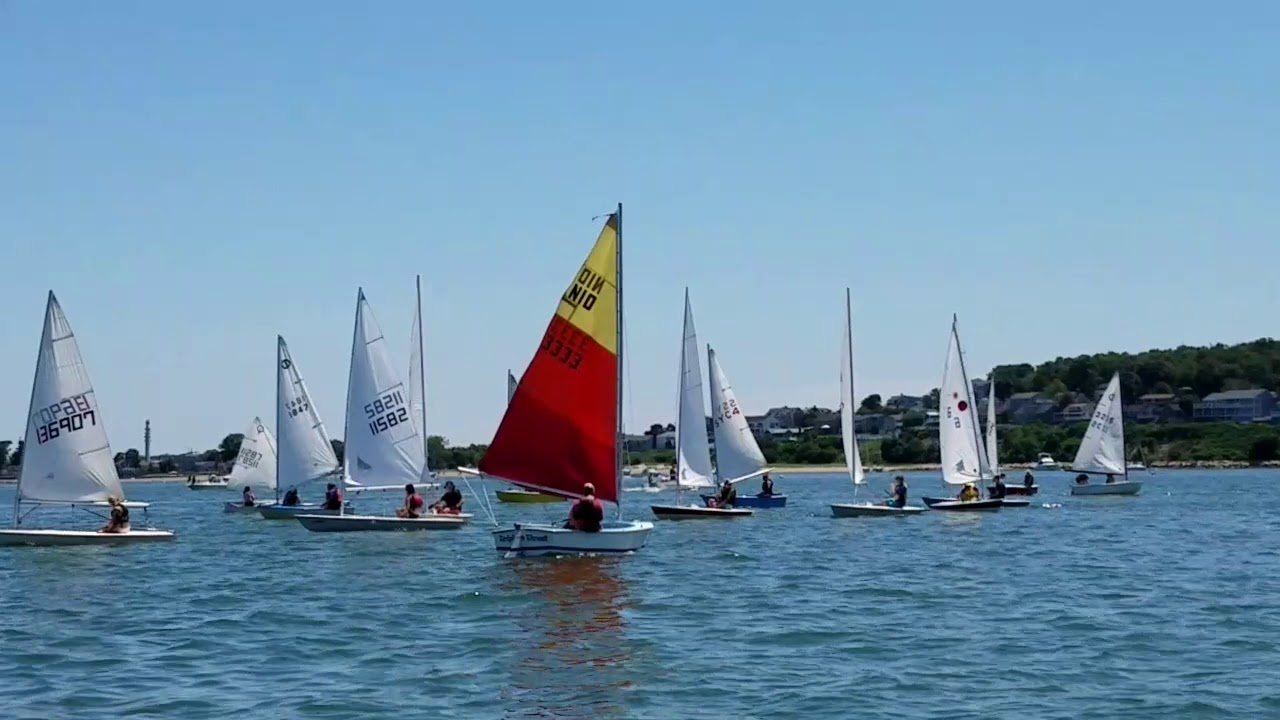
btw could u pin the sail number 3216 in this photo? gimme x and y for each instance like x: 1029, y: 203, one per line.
x: 386, y: 412
x: 62, y: 417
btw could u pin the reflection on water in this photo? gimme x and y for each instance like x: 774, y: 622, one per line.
x: 573, y: 650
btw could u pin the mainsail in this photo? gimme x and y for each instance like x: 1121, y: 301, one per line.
x: 255, y: 464
x: 66, y: 457
x: 305, y: 453
x: 560, y: 429
x: 693, y: 454
x: 963, y: 459
x: 848, y: 420
x: 1102, y: 449
x: 738, y: 456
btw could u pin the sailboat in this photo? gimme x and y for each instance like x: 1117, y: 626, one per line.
x: 738, y: 456
x: 848, y: 433
x: 1102, y: 450
x: 693, y: 456
x: 382, y: 442
x: 67, y: 460
x: 964, y: 460
x: 255, y: 464
x: 518, y: 494
x: 563, y: 427
x: 304, y: 453
x: 993, y: 456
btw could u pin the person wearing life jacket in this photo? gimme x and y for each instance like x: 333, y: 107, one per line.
x: 998, y: 489
x: 968, y: 493
x: 249, y: 499
x: 291, y: 498
x: 119, y: 521
x: 766, y: 486
x: 727, y: 498
x: 332, y: 498
x: 899, y: 499
x: 412, y: 503
x: 587, y: 514
x: 1028, y: 480
x: 450, y: 503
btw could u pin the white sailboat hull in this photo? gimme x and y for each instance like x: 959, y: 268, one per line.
x: 52, y: 538
x: 1124, y: 487
x: 289, y: 512
x: 380, y: 523
x: 615, y: 537
x: 872, y: 510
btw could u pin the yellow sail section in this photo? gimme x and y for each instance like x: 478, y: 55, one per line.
x: 591, y: 302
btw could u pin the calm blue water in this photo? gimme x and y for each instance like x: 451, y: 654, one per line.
x: 1166, y: 605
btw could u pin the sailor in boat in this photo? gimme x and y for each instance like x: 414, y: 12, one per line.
x: 291, y: 498
x: 450, y: 503
x: 968, y: 493
x: 119, y: 520
x: 728, y: 496
x: 899, y: 493
x: 412, y: 503
x: 766, y: 486
x: 1028, y: 480
x: 998, y: 489
x: 249, y: 499
x: 332, y: 498
x: 671, y: 474
x: 1111, y: 479
x: 1082, y: 479
x: 587, y: 514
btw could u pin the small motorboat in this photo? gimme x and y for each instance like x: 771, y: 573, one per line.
x: 1121, y: 487
x: 526, y: 496
x: 752, y: 501
x: 615, y: 537
x: 872, y: 510
x: 963, y: 505
x: 1045, y: 461
x: 211, y: 482
x: 695, y: 512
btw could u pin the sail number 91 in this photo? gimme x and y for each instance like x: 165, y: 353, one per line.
x: 62, y: 417
x: 386, y: 412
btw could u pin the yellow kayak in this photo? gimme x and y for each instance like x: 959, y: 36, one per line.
x: 526, y: 496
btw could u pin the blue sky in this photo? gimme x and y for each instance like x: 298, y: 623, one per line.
x: 194, y: 178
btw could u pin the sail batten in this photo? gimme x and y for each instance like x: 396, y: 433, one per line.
x: 560, y: 428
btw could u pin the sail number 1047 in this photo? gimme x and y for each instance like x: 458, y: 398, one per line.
x: 62, y: 417
x: 386, y: 412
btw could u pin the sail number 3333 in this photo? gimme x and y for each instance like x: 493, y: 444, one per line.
x: 386, y: 412
x: 62, y: 417
x: 564, y: 344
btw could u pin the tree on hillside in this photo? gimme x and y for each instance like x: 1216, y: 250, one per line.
x: 132, y: 458
x: 229, y: 448
x: 871, y: 403
x: 16, y: 457
x: 4, y: 452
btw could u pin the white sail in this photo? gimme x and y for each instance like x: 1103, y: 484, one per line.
x: 963, y: 459
x: 511, y: 386
x: 382, y: 444
x: 993, y: 457
x: 66, y: 457
x: 693, y: 456
x: 848, y: 428
x: 738, y: 457
x: 1102, y: 449
x: 256, y: 463
x: 303, y: 447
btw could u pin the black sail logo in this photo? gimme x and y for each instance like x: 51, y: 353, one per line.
x: 585, y: 290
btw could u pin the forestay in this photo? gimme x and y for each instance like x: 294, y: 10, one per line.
x: 963, y: 460
x: 848, y: 427
x: 255, y: 464
x: 305, y: 453
x: 382, y: 443
x: 738, y: 457
x: 693, y: 454
x: 1102, y: 449
x: 66, y: 456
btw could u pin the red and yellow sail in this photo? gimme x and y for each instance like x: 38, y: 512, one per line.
x: 560, y: 429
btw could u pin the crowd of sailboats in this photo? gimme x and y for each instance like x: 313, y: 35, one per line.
x: 561, y: 436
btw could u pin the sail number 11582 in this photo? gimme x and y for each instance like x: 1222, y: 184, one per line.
x: 386, y: 412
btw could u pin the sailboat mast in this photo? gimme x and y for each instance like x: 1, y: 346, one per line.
x: 31, y: 408
x: 619, y: 440
x: 279, y: 360
x: 346, y: 414
x: 422, y: 378
x: 968, y: 394
x: 848, y: 325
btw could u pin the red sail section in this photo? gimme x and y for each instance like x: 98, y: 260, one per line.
x: 560, y: 429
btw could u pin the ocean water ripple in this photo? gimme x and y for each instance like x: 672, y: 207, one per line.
x: 1161, y: 606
